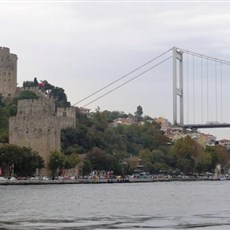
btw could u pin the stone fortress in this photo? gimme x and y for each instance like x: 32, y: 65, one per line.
x: 8, y: 72
x: 38, y: 122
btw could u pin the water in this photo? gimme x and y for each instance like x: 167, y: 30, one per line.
x: 162, y: 205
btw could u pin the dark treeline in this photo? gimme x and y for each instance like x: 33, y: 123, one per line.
x: 19, y: 161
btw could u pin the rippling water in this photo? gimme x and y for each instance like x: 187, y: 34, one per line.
x: 162, y: 205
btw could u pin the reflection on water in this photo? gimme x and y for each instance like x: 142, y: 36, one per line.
x: 165, y: 205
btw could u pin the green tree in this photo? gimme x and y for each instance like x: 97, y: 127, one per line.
x: 138, y: 113
x: 8, y: 154
x: 56, y: 162
x: 101, y: 160
x: 22, y: 160
x: 87, y: 167
x: 71, y: 161
x: 27, y: 162
x: 4, y: 122
x: 205, y: 162
x: 60, y: 97
x: 27, y: 94
x: 154, y: 161
x: 217, y: 155
x: 222, y: 155
x: 28, y: 84
x: 160, y: 167
x: 35, y: 82
x: 190, y: 155
x: 76, y: 140
x: 13, y: 110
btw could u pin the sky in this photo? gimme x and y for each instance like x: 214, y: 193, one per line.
x: 83, y: 46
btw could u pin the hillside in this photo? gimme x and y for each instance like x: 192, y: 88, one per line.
x: 102, y: 142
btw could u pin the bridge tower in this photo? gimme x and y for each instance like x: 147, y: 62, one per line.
x: 178, y: 86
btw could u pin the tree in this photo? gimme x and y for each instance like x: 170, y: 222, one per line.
x: 8, y: 154
x: 13, y: 110
x: 1, y: 101
x: 101, y: 160
x: 71, y: 161
x: 60, y: 97
x: 23, y: 160
x: 28, y: 84
x: 160, y: 167
x: 27, y: 94
x: 4, y: 123
x: 27, y: 162
x: 87, y: 167
x: 35, y: 82
x: 154, y: 161
x: 138, y: 113
x: 222, y: 155
x: 56, y: 161
x: 190, y: 155
x: 217, y: 155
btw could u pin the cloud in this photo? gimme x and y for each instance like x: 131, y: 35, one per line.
x: 84, y: 46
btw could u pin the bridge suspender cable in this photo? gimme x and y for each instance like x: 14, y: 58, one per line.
x: 112, y: 90
x: 124, y: 76
x: 193, y: 91
x: 216, y: 90
x: 187, y: 76
x: 221, y: 94
x: 207, y: 91
x: 201, y: 83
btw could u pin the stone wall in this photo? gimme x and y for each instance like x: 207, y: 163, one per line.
x: 38, y: 125
x: 8, y: 72
x: 38, y: 122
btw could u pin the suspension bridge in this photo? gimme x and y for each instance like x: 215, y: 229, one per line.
x: 200, y: 87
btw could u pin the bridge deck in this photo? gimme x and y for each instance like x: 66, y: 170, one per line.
x: 205, y: 126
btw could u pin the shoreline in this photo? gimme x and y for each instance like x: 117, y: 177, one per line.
x: 102, y: 181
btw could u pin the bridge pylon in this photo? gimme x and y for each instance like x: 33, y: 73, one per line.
x: 178, y: 86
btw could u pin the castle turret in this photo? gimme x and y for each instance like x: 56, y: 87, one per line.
x: 8, y: 72
x: 38, y: 125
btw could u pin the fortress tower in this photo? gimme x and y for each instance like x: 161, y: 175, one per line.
x: 8, y: 72
x: 38, y: 125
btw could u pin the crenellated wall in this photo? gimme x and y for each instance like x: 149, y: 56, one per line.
x: 38, y: 122
x: 38, y: 126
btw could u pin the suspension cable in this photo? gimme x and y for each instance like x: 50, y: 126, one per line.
x: 119, y: 86
x: 216, y: 89
x: 187, y: 89
x: 124, y: 76
x: 207, y: 74
x: 204, y: 56
x: 221, y: 94
x: 193, y: 77
x: 201, y: 79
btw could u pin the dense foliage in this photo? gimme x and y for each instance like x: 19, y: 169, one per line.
x: 58, y: 161
x: 56, y: 92
x: 107, y: 146
x: 4, y: 122
x: 22, y: 161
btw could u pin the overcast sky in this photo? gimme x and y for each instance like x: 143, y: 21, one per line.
x: 82, y: 47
